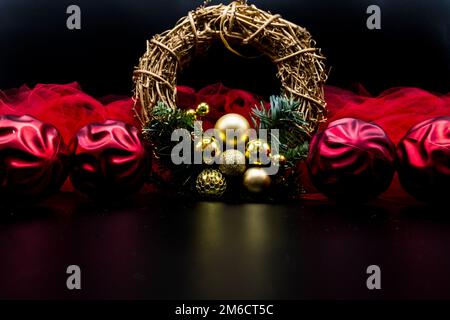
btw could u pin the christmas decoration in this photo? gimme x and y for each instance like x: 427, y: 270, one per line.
x: 257, y: 151
x: 236, y: 122
x: 351, y: 160
x: 209, y: 148
x: 202, y: 109
x: 423, y: 160
x: 278, y: 160
x: 256, y: 180
x: 233, y: 163
x: 285, y: 115
x: 164, y: 121
x: 297, y: 112
x: 191, y: 113
x: 33, y: 159
x: 68, y: 108
x: 210, y: 183
x: 108, y: 160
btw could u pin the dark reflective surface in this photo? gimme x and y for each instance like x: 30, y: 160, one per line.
x: 153, y: 247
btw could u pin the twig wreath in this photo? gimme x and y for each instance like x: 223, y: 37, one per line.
x: 296, y: 113
x: 300, y: 65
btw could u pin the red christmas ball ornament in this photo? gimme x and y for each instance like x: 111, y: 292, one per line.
x: 33, y: 159
x: 351, y: 160
x: 423, y: 160
x: 109, y: 160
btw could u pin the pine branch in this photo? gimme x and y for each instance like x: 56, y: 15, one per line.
x: 284, y: 115
x: 164, y: 120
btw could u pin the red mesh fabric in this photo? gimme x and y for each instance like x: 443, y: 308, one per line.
x: 65, y: 106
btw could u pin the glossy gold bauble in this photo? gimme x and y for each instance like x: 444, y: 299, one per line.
x: 256, y: 180
x: 278, y: 160
x: 233, y: 162
x: 209, y: 148
x: 202, y: 109
x: 192, y: 113
x: 211, y: 183
x: 257, y: 152
x: 236, y: 122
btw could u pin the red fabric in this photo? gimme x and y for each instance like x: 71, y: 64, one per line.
x: 396, y: 110
x: 221, y: 100
x: 65, y: 106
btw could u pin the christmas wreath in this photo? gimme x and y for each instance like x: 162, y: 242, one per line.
x: 294, y: 115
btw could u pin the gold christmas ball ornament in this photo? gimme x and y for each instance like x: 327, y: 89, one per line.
x: 278, y: 160
x: 256, y: 180
x: 202, y: 109
x: 211, y: 183
x: 258, y: 152
x: 209, y: 148
x: 236, y: 122
x: 233, y: 162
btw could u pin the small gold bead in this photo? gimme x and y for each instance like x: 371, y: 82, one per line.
x: 202, y: 109
x: 278, y: 160
x: 191, y: 112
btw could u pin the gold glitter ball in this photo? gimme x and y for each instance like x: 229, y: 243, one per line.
x: 233, y: 162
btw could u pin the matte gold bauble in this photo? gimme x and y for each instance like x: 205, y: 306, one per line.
x: 236, y: 122
x: 209, y: 148
x: 211, y: 183
x: 256, y: 180
x: 233, y: 163
x: 258, y: 152
x: 202, y: 109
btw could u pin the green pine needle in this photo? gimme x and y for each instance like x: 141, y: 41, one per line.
x: 284, y: 115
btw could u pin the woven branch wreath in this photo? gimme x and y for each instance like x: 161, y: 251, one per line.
x: 290, y: 47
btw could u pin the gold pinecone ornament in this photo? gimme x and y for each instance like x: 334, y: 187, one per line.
x: 211, y: 183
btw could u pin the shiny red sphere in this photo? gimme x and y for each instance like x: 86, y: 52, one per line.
x: 423, y: 160
x: 351, y: 160
x: 33, y: 159
x: 109, y: 160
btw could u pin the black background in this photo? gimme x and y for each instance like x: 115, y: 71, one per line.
x: 411, y: 49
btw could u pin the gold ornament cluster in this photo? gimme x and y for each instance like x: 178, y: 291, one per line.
x: 211, y: 183
x: 290, y: 47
